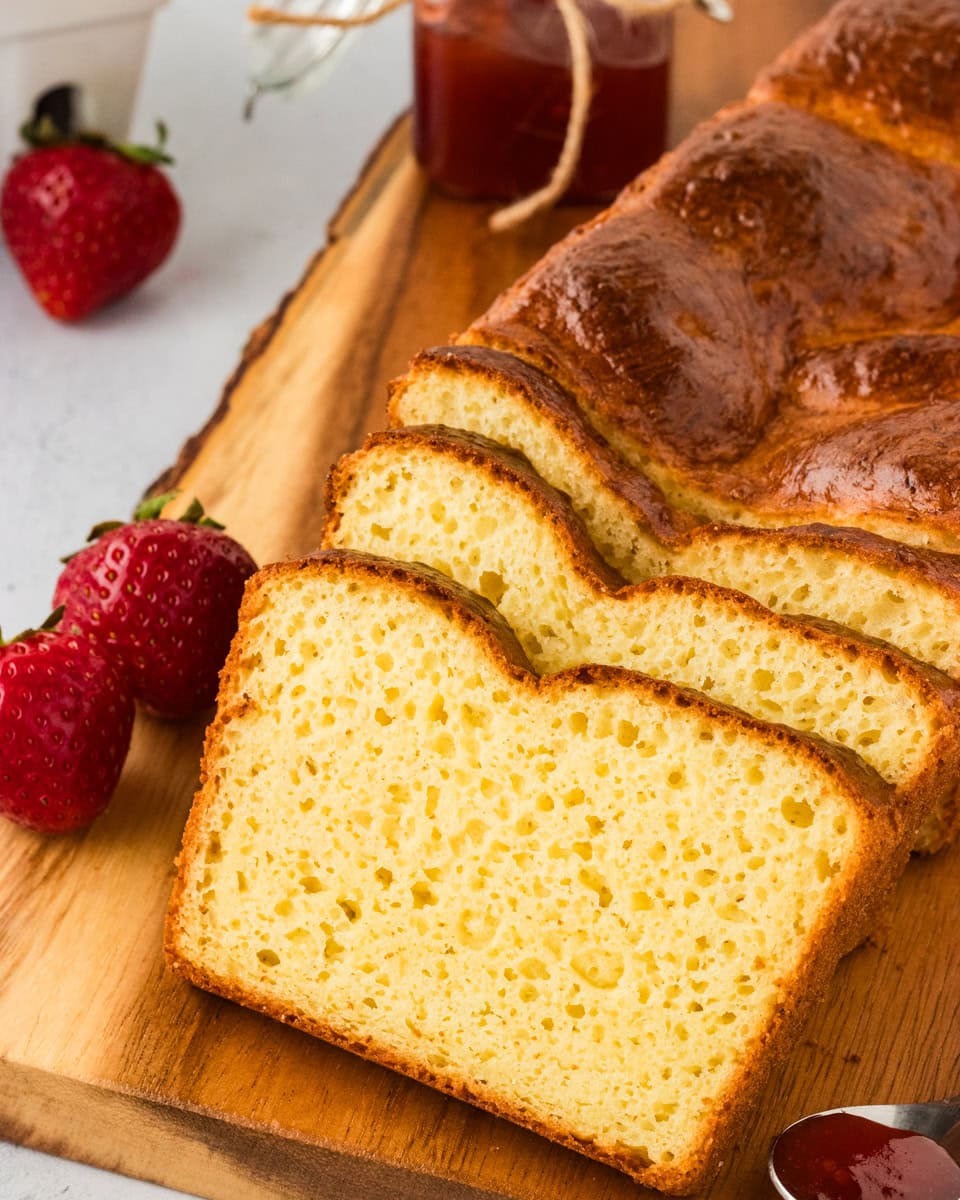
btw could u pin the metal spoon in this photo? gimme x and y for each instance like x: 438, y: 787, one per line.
x: 938, y: 1120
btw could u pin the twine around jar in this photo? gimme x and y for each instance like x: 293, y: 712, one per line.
x: 581, y: 71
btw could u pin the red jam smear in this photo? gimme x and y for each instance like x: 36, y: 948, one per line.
x: 490, y: 121
x: 840, y: 1156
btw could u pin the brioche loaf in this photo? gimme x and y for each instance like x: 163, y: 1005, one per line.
x: 483, y: 517
x: 592, y: 903
x: 768, y: 321
x: 697, y: 318
x: 899, y: 594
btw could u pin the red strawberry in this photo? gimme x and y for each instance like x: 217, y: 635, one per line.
x: 86, y: 221
x: 162, y: 597
x: 65, y: 718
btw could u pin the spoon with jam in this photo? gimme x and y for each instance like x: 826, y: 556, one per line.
x: 877, y: 1152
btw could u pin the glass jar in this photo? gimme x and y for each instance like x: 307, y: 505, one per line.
x: 493, y: 89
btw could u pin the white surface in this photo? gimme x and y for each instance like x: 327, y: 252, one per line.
x: 89, y: 415
x: 26, y: 1175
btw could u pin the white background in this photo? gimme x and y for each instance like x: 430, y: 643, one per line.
x: 90, y: 415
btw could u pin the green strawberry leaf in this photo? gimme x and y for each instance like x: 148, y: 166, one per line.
x: 151, y: 509
x: 99, y: 530
x: 55, y: 618
x: 44, y: 134
x: 153, y: 506
x: 193, y: 512
x: 148, y: 155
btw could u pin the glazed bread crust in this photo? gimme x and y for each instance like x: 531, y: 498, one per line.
x: 278, y: 806
x: 500, y: 397
x: 890, y: 72
x: 767, y: 321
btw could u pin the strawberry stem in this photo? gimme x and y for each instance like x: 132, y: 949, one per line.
x: 44, y: 134
x: 44, y: 131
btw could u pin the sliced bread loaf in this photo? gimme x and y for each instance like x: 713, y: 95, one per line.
x: 482, y: 516
x: 592, y: 903
x: 904, y: 595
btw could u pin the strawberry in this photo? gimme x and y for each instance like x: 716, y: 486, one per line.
x: 162, y: 597
x: 65, y: 718
x: 85, y: 220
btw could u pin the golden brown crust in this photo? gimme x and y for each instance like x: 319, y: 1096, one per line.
x: 532, y: 389
x: 889, y: 71
x: 800, y: 206
x: 899, y: 440
x: 553, y: 405
x: 505, y: 466
x: 881, y: 853
x: 648, y: 333
x: 919, y: 565
x: 683, y: 319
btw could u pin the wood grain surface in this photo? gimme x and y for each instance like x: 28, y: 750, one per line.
x: 105, y: 1058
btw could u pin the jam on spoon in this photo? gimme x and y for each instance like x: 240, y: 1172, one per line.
x: 839, y: 1156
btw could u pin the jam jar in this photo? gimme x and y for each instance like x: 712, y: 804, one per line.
x: 493, y: 95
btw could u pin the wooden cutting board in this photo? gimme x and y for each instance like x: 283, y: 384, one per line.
x: 105, y: 1058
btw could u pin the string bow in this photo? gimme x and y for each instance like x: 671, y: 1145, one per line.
x: 581, y: 72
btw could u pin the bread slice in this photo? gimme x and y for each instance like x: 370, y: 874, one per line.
x: 906, y: 596
x: 505, y: 399
x: 483, y: 517
x: 592, y: 903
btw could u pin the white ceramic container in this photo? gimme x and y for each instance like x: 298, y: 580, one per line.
x: 96, y: 47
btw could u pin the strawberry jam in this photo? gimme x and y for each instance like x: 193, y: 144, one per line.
x: 840, y: 1156
x: 493, y: 89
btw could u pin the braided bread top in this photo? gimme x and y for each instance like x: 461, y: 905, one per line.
x: 768, y: 321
